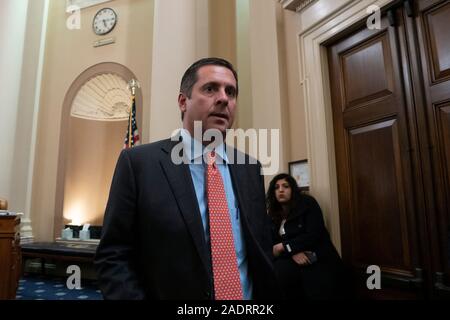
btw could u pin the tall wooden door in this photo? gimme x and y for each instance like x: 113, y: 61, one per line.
x: 381, y: 196
x: 433, y: 40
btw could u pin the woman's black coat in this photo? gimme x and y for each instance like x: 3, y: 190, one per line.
x: 305, y: 231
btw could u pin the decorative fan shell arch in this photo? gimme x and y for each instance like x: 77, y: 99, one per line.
x: 104, y: 97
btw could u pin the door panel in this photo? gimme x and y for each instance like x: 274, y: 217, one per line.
x: 443, y: 124
x: 438, y: 41
x: 373, y: 59
x: 378, y: 208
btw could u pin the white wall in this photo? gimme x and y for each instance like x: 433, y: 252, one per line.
x: 13, y: 19
x: 68, y: 53
x: 158, y: 50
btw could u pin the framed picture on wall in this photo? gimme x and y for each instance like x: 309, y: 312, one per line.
x: 300, y: 171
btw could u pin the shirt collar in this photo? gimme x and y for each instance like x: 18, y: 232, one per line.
x: 194, y: 149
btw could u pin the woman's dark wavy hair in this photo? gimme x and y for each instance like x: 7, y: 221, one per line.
x: 274, y: 208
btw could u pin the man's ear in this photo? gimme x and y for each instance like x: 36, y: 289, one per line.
x: 182, y: 102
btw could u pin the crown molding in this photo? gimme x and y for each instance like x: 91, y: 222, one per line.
x: 296, y: 5
x: 80, y: 4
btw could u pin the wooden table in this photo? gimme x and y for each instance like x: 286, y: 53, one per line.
x: 61, y: 251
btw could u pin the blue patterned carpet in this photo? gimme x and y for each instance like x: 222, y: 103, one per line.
x: 47, y: 288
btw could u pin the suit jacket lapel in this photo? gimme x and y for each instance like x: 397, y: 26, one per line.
x: 180, y: 181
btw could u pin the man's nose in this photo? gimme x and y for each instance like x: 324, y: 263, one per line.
x: 222, y: 97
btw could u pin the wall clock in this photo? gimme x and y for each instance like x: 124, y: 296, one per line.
x: 104, y: 21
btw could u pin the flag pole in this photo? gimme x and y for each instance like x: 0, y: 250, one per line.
x: 133, y: 84
x: 130, y: 127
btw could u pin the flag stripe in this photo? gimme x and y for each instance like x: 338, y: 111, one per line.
x: 129, y: 143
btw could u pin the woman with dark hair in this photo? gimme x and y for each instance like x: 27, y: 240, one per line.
x: 306, y: 262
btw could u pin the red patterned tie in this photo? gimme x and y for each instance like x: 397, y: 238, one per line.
x: 227, y: 283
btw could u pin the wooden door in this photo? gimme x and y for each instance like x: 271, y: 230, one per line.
x: 377, y: 159
x: 433, y: 38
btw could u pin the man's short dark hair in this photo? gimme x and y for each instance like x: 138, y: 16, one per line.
x: 190, y: 76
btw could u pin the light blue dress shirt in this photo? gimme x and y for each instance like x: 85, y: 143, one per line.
x: 194, y: 150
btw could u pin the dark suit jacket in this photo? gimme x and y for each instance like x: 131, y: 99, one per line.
x: 153, y: 245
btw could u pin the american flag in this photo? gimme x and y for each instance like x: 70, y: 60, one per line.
x: 132, y: 137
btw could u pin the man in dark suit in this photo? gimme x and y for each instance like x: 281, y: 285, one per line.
x: 156, y: 241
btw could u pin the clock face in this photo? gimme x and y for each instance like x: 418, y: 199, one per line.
x: 104, y: 21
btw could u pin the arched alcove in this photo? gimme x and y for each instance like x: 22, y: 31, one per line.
x: 93, y: 128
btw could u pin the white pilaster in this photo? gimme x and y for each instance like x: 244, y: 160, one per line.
x: 268, y: 93
x: 176, y: 38
x: 28, y: 19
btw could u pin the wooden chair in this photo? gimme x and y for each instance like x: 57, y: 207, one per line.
x: 3, y: 204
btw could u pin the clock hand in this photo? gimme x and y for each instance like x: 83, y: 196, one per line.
x: 104, y: 22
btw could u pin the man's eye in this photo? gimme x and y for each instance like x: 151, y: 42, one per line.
x: 209, y: 89
x: 231, y: 92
